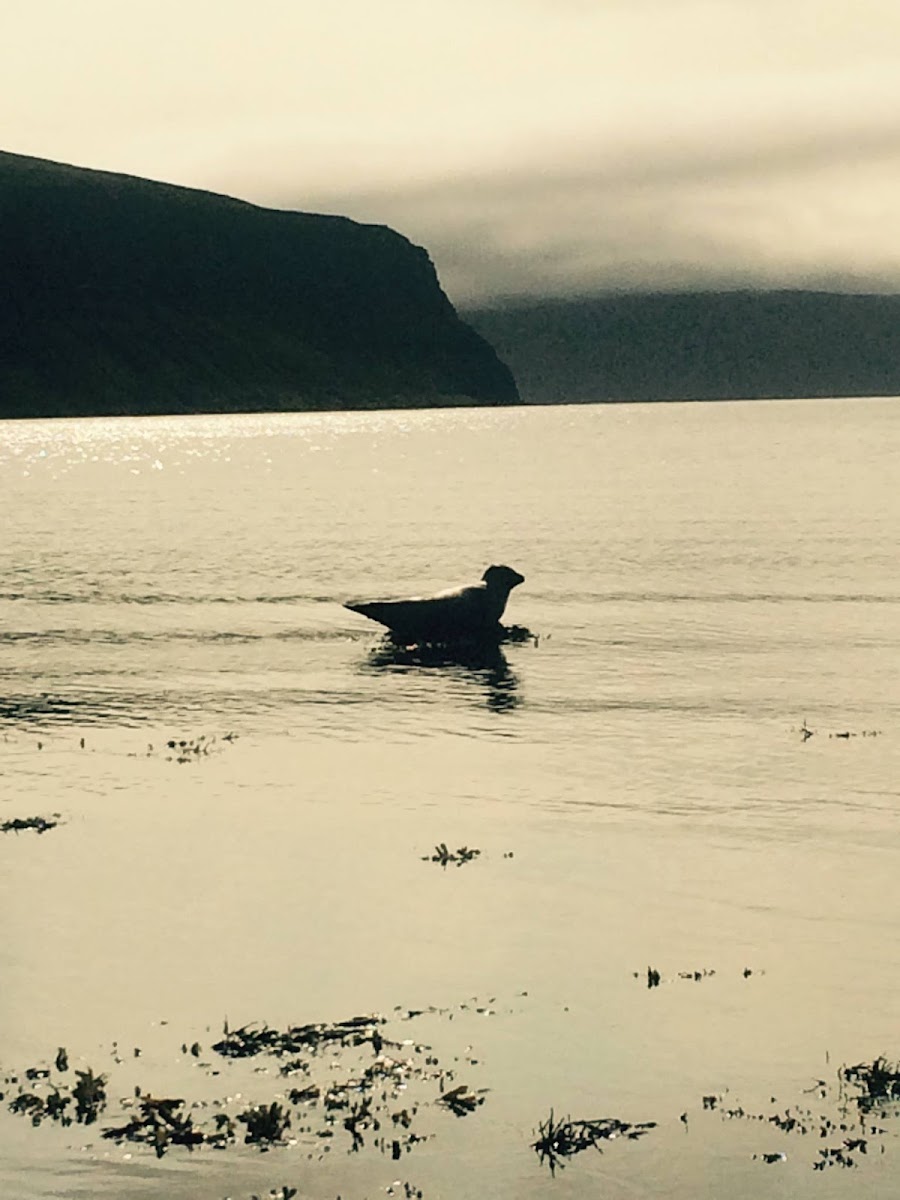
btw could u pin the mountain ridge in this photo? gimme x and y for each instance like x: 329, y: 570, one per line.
x: 697, y: 345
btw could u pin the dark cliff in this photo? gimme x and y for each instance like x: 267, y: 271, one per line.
x: 119, y: 295
x: 698, y: 345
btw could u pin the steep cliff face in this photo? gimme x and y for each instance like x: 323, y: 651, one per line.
x: 118, y: 295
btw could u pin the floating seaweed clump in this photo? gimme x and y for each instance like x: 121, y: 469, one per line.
x: 51, y: 1107
x: 444, y: 856
x: 461, y: 1100
x: 359, y: 1118
x: 38, y: 824
x: 159, y: 1123
x: 266, y: 1124
x: 519, y: 633
x: 695, y: 975
x: 376, y: 1097
x: 841, y: 1156
x: 878, y: 1081
x: 283, y: 1193
x: 845, y: 734
x: 186, y: 750
x: 557, y: 1140
x: 89, y: 1095
x: 850, y: 1138
x: 249, y: 1040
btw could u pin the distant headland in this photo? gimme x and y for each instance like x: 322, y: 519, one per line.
x: 695, y: 345
x: 123, y: 296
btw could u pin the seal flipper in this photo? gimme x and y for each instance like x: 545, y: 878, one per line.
x: 375, y: 610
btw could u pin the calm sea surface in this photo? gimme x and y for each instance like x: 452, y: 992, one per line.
x: 705, y: 582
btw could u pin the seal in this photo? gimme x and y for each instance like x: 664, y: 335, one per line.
x: 459, y: 614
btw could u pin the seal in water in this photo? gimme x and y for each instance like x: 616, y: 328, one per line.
x: 459, y: 614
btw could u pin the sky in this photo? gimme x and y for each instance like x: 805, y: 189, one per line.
x: 534, y: 147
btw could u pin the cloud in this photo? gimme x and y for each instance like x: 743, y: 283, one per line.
x: 809, y: 208
x: 530, y: 145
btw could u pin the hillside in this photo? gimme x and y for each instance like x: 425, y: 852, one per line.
x: 119, y: 295
x: 698, y: 345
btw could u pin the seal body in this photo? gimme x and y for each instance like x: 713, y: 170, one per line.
x: 460, y: 614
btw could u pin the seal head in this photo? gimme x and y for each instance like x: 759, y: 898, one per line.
x: 499, y: 582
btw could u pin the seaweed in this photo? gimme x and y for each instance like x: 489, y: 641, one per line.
x: 694, y: 975
x: 89, y: 1094
x: 878, y: 1081
x: 187, y: 750
x: 37, y: 1108
x: 159, y: 1123
x: 844, y: 734
x: 461, y: 1101
x: 266, y: 1124
x: 38, y: 824
x: 250, y: 1040
x: 444, y: 856
x: 50, y: 1101
x: 375, y: 1095
x: 558, y: 1140
x: 358, y: 1118
x: 283, y: 1193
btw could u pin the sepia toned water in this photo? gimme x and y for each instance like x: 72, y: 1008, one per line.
x: 705, y: 581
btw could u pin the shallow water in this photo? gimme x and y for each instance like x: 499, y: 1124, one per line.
x: 703, y: 579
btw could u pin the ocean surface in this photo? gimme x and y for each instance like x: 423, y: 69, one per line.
x: 690, y: 771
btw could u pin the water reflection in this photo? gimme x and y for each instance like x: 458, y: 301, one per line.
x: 480, y: 663
x: 35, y: 709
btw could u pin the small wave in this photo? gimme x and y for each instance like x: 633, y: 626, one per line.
x: 152, y: 707
x: 46, y: 710
x: 51, y: 597
x: 98, y: 595
x: 115, y: 637
x: 181, y: 598
x: 719, y: 598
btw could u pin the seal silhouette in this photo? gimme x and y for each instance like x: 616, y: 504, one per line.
x: 459, y: 614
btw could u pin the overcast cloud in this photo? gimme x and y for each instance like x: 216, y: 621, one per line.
x: 530, y: 146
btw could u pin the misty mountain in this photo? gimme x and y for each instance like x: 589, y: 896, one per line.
x: 120, y: 295
x: 697, y: 345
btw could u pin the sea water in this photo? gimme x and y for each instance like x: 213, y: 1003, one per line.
x: 691, y: 767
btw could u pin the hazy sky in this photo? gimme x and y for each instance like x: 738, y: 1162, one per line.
x: 530, y: 145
